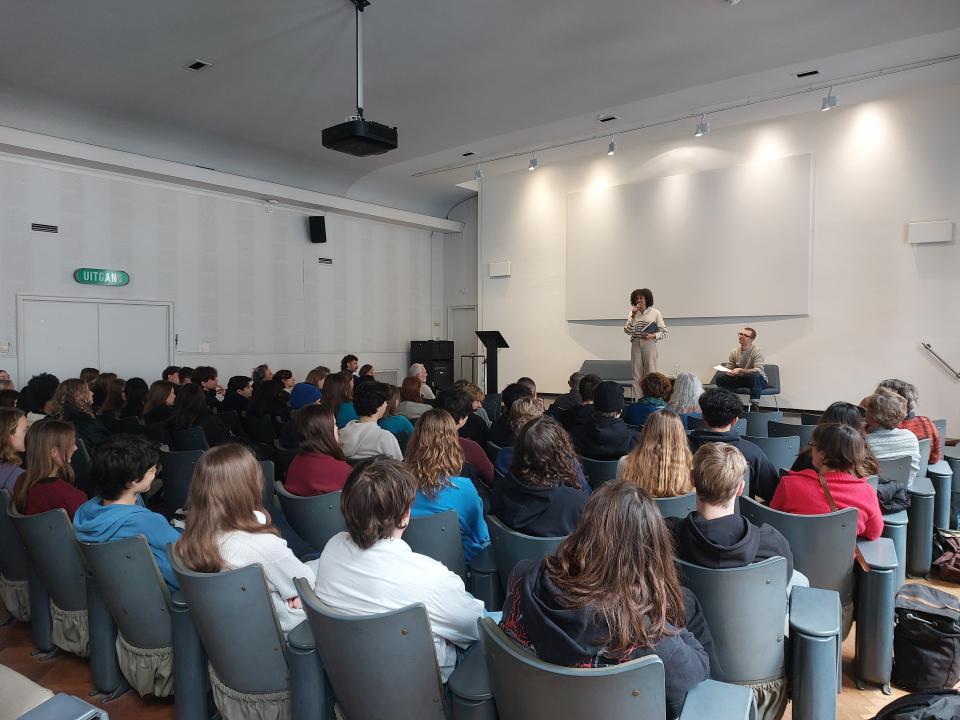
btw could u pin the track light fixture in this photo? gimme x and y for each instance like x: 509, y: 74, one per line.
x: 534, y: 163
x: 478, y: 174
x: 830, y: 101
x: 703, y: 127
x: 612, y: 146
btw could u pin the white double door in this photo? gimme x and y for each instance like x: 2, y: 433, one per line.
x: 64, y: 335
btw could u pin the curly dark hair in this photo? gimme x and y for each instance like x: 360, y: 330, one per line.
x: 543, y: 455
x: 647, y: 296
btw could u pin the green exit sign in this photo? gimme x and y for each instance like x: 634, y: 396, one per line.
x: 99, y: 276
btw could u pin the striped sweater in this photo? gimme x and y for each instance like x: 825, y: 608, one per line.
x: 635, y: 324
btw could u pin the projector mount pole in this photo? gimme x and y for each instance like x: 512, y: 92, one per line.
x: 360, y: 5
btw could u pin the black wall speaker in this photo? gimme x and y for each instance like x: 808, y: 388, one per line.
x: 318, y: 229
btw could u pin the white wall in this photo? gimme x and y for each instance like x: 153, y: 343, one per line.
x: 243, y: 280
x: 874, y: 298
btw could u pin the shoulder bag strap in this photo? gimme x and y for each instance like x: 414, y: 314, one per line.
x: 858, y: 556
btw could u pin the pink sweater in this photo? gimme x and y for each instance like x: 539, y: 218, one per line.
x: 800, y: 493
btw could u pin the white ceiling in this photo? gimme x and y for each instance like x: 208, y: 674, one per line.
x: 481, y: 74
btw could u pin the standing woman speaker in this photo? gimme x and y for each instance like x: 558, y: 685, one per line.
x: 646, y: 327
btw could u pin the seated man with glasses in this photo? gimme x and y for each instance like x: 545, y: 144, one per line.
x: 745, y: 366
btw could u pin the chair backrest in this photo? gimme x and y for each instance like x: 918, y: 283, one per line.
x: 510, y: 547
x: 438, y: 536
x: 757, y: 422
x: 177, y: 472
x: 492, y: 449
x: 156, y: 433
x: 380, y: 666
x: 679, y: 506
x: 13, y: 555
x: 924, y: 457
x: 809, y: 418
x: 132, y: 589
x: 780, y: 451
x: 773, y: 378
x: 80, y: 462
x: 189, y: 439
x: 941, y: 425
x: 131, y: 425
x: 822, y: 545
x: 897, y: 468
x: 782, y: 429
x: 284, y: 456
x: 598, y: 471
x: 316, y: 519
x: 53, y: 554
x: 268, y: 472
x: 744, y: 608
x: 527, y: 688
x: 234, y: 617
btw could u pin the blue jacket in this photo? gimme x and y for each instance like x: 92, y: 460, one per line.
x: 97, y: 523
x: 397, y: 424
x: 462, y: 497
x: 303, y: 394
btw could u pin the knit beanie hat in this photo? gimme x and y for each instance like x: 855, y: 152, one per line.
x: 608, y: 397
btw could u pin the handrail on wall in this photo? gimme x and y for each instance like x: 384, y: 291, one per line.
x: 947, y: 365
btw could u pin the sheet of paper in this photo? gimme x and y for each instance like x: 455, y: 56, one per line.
x: 721, y: 368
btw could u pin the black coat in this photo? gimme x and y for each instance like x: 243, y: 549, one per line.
x: 474, y: 429
x: 603, y: 438
x: 764, y: 477
x: 537, y: 511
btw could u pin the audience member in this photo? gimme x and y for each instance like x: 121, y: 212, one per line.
x: 261, y: 373
x: 541, y: 494
x: 577, y: 414
x: 458, y: 404
x: 369, y: 569
x: 605, y: 436
x: 48, y: 483
x: 366, y: 370
x: 228, y: 527
x: 72, y: 404
x: 477, y: 397
x: 685, y: 395
x: 320, y: 467
x: 100, y: 387
x: 411, y: 399
x: 522, y: 411
x: 746, y: 368
x: 13, y: 433
x: 392, y: 420
x: 919, y: 425
x: 309, y: 391
x: 186, y: 376
x: 656, y: 388
x: 191, y: 410
x: 349, y: 363
x: 363, y: 437
x: 839, y: 459
x: 501, y: 431
x: 6, y: 384
x: 569, y: 399
x: 611, y: 594
x: 113, y: 403
x: 170, y: 374
x: 123, y: 467
x: 721, y: 410
x: 135, y: 397
x: 88, y: 375
x: 337, y: 398
x: 660, y: 462
x: 436, y: 461
x: 237, y: 397
x: 885, y: 410
x: 528, y: 383
x: 419, y: 371
x: 208, y: 379
x: 285, y: 378
x: 9, y: 398
x: 843, y: 413
x: 36, y: 399
x: 272, y: 401
x: 160, y: 401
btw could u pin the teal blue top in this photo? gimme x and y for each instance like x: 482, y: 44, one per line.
x: 397, y: 424
x: 346, y: 413
x: 462, y: 497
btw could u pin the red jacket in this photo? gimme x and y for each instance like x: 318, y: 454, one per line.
x: 316, y: 474
x: 474, y: 455
x: 924, y: 428
x: 50, y: 494
x: 800, y: 493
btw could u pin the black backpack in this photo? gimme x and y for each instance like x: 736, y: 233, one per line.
x: 926, y: 639
x: 943, y: 705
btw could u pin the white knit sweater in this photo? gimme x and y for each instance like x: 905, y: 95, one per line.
x: 635, y: 324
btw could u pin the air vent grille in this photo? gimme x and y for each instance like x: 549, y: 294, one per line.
x: 40, y: 227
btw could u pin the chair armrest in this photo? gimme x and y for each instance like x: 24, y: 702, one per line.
x: 470, y: 680
x: 879, y: 554
x: 178, y: 601
x: 814, y: 612
x: 941, y: 467
x: 484, y: 562
x: 719, y: 701
x: 301, y: 637
x: 921, y: 486
x: 62, y: 705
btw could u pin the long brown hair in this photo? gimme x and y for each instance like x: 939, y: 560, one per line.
x: 619, y: 562
x: 72, y: 394
x: 543, y: 455
x: 9, y: 419
x: 225, y: 492
x: 113, y: 402
x: 159, y: 392
x: 49, y: 446
x: 843, y: 448
x: 433, y: 453
x: 336, y: 390
x: 660, y: 462
x: 314, y: 426
x: 410, y: 389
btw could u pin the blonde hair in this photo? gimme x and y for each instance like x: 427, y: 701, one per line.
x: 433, y: 453
x: 523, y: 411
x: 49, y: 443
x: 475, y: 393
x: 72, y: 394
x: 718, y: 469
x: 225, y: 492
x: 9, y: 419
x: 886, y: 407
x: 660, y: 462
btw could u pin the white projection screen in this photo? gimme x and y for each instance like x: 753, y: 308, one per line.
x: 732, y: 242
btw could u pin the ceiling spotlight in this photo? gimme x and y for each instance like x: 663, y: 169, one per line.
x: 703, y: 127
x: 830, y: 101
x: 612, y: 146
x: 478, y: 174
x: 534, y: 163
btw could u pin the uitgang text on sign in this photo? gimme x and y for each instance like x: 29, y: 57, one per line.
x: 99, y: 276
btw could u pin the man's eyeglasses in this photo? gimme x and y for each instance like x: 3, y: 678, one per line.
x: 750, y: 337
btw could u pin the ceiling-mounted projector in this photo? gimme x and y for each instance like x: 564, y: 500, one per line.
x: 359, y: 136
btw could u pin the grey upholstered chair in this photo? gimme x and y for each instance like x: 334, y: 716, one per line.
x: 510, y: 547
x: 189, y: 439
x: 14, y: 569
x: 782, y: 452
x: 438, y: 536
x: 177, y: 472
x: 757, y: 422
x: 598, y: 471
x: 783, y: 429
x: 679, y: 506
x: 316, y: 518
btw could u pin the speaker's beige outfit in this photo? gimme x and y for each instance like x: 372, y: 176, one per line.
x: 643, y: 353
